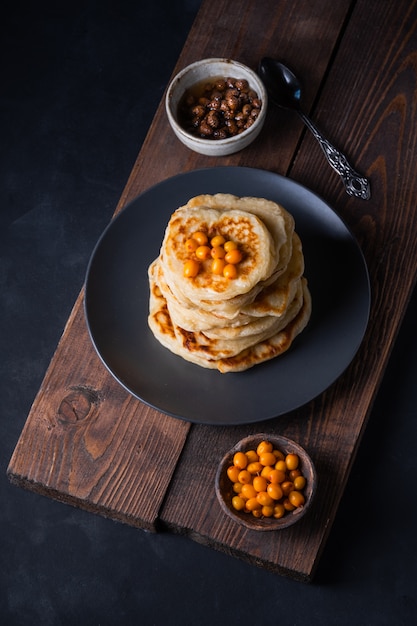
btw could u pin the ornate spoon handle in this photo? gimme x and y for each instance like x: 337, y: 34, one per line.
x: 355, y: 184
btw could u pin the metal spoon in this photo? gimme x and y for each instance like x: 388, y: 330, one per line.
x: 284, y: 88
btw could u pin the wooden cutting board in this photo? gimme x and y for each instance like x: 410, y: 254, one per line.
x: 88, y: 443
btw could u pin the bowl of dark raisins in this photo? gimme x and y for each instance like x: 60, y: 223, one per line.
x: 216, y: 106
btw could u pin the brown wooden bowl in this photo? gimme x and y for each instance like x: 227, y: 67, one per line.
x: 224, y: 487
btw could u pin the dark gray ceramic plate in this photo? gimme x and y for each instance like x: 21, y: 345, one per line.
x: 116, y: 305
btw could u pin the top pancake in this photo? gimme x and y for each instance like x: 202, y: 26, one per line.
x: 262, y: 230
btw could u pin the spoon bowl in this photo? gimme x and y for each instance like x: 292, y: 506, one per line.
x: 283, y: 86
x: 284, y: 89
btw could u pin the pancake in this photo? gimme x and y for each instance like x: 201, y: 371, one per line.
x: 252, y: 236
x: 278, y: 221
x: 229, y: 324
x: 226, y: 356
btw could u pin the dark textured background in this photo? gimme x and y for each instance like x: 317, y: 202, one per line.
x: 79, y: 86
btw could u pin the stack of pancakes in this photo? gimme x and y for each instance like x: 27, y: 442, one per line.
x: 230, y: 324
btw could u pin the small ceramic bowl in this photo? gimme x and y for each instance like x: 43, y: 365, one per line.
x: 198, y: 72
x: 224, y: 487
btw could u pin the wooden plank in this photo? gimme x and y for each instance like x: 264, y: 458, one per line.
x: 376, y: 128
x: 95, y: 483
x: 87, y: 442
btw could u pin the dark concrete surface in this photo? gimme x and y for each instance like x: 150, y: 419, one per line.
x: 79, y: 85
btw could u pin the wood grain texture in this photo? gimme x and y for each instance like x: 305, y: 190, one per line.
x: 87, y: 442
x: 380, y: 139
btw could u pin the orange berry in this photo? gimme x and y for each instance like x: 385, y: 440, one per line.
x: 260, y: 483
x: 267, y: 511
x: 240, y: 460
x: 252, y: 504
x: 217, y: 266
x: 248, y: 491
x: 252, y: 456
x: 217, y: 240
x: 276, y: 476
x: 299, y: 483
x: 287, y: 486
x: 200, y: 237
x: 287, y: 505
x: 266, y: 471
x: 230, y: 271
x: 255, y: 467
x: 296, y: 498
x: 274, y: 491
x: 230, y: 245
x: 238, y: 503
x: 264, y: 498
x: 264, y: 446
x: 217, y: 252
x: 233, y: 256
x: 279, y: 511
x: 191, y: 268
x: 292, y: 461
x: 191, y: 245
x: 245, y: 477
x: 267, y: 458
x: 233, y: 473
x: 280, y: 465
x: 203, y: 253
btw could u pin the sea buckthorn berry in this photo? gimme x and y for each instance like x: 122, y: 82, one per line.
x: 233, y: 256
x: 238, y: 503
x: 191, y: 245
x: 292, y: 461
x: 200, y: 237
x: 217, y: 266
x: 217, y: 240
x: 279, y: 511
x: 288, y: 506
x: 218, y: 252
x: 248, y: 491
x: 267, y: 458
x: 281, y: 465
x: 264, y: 498
x: 252, y: 504
x: 274, y: 491
x: 267, y: 511
x: 269, y: 483
x: 203, y: 253
x: 252, y: 456
x: 230, y: 271
x: 230, y: 245
x: 287, y: 486
x: 260, y: 483
x: 266, y: 471
x: 299, y: 483
x: 276, y: 476
x: 296, y: 498
x: 255, y: 467
x: 191, y: 268
x: 245, y: 477
x: 233, y: 473
x: 264, y: 446
x: 240, y: 460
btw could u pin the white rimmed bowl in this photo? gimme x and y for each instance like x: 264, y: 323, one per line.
x: 207, y: 69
